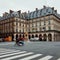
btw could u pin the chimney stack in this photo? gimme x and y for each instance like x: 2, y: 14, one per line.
x: 44, y: 6
x: 52, y: 8
x: 36, y: 9
x: 11, y: 11
x: 19, y: 11
x: 5, y: 14
x: 28, y: 11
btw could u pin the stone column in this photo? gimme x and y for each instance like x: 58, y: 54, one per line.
x: 14, y: 37
x: 47, y: 37
x: 52, y: 37
x: 42, y: 37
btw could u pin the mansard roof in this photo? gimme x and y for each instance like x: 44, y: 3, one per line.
x: 34, y: 14
x: 43, y: 12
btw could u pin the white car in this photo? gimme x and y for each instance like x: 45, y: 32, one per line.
x: 34, y: 39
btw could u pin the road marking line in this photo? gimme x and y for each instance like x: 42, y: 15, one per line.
x: 58, y: 59
x: 46, y: 58
x: 31, y: 57
x: 8, y: 52
x: 6, y: 49
x: 12, y: 54
x: 17, y: 56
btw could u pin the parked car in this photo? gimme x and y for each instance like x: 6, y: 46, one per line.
x: 34, y: 39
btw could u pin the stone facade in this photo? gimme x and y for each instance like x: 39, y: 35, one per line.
x: 43, y: 23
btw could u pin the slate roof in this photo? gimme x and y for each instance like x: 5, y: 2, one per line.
x: 34, y: 14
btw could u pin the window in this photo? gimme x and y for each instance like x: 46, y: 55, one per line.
x: 49, y: 28
x: 39, y: 13
x: 31, y: 14
x: 30, y: 25
x: 34, y: 14
x: 38, y: 24
x: 44, y: 13
x: 49, y: 22
x: 41, y: 10
x: 44, y: 28
x: 40, y: 29
x: 46, y: 10
x: 44, y: 22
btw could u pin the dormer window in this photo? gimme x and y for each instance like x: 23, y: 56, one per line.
x: 41, y: 10
x: 44, y: 13
x: 46, y: 10
x: 49, y: 12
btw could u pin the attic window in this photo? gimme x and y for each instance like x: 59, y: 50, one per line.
x: 44, y: 13
x: 41, y: 10
x: 46, y: 10
x: 16, y: 14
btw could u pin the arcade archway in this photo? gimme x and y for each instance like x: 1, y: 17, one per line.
x: 44, y: 37
x: 36, y: 35
x: 40, y: 37
x: 50, y: 37
x: 32, y: 36
x: 29, y: 36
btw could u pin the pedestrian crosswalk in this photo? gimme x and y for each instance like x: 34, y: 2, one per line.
x: 58, y: 59
x: 9, y: 54
x: 46, y: 58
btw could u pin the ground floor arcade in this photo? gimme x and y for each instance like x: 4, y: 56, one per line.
x: 43, y: 36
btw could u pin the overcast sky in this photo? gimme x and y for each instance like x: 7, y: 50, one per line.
x: 25, y: 5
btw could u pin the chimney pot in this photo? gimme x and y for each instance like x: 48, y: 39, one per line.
x: 44, y: 6
x: 36, y: 9
x: 11, y: 11
x: 52, y: 8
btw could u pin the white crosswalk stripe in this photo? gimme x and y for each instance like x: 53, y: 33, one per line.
x: 58, y: 59
x: 31, y: 57
x: 46, y: 58
x: 13, y: 57
x: 3, y: 49
x: 12, y: 54
x: 9, y: 54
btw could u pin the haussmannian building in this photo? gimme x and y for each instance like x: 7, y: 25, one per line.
x: 42, y: 23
